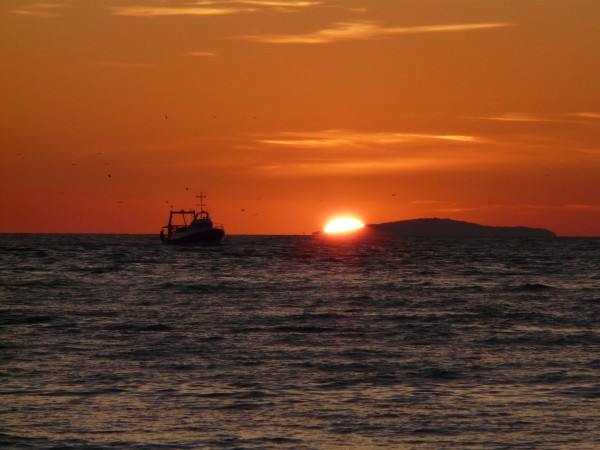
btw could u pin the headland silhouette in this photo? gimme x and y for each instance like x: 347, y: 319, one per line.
x: 455, y: 228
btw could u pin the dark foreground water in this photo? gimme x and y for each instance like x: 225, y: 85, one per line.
x: 293, y: 342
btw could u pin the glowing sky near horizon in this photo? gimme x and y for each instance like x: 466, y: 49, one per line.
x: 286, y: 112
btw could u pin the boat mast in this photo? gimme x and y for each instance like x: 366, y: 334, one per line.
x: 200, y: 198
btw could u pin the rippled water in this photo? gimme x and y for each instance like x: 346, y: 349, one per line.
x: 297, y: 342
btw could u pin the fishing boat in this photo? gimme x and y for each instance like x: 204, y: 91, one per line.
x: 191, y: 227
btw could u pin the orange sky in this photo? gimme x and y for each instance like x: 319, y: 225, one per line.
x: 287, y: 113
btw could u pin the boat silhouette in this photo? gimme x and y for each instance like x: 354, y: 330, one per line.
x: 197, y: 227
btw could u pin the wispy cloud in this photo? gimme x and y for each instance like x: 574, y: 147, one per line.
x: 349, y: 138
x: 275, y: 3
x: 353, y: 31
x: 516, y: 117
x: 586, y: 115
x: 198, y: 54
x: 576, y: 117
x: 584, y: 207
x: 313, y: 168
x: 270, y: 3
x: 527, y: 207
x: 40, y: 9
x: 161, y: 11
x: 212, y: 8
x: 444, y: 206
x: 347, y: 152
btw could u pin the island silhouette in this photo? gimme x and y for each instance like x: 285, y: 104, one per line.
x: 451, y: 228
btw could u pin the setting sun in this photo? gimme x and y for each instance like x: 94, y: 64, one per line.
x: 343, y: 224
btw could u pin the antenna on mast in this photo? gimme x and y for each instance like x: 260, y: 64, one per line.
x: 200, y: 200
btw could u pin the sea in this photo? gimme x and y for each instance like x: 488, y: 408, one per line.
x: 299, y: 342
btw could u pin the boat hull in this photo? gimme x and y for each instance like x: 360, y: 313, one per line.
x: 206, y: 237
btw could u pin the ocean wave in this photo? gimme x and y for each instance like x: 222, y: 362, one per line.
x: 530, y: 287
x: 136, y: 327
x: 15, y: 319
x: 581, y: 392
x: 415, y: 343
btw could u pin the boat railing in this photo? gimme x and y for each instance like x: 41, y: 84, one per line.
x: 219, y: 226
x: 174, y: 228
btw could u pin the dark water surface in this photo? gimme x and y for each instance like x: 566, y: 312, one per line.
x: 293, y: 342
